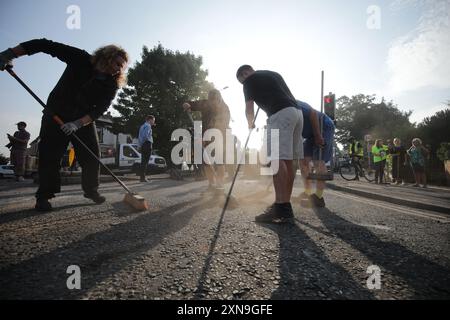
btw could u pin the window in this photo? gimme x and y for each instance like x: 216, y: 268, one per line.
x: 129, y: 152
x: 100, y: 135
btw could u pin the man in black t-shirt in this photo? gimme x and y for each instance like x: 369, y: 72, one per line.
x: 271, y: 94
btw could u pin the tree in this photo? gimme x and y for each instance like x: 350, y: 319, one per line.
x: 3, y: 159
x: 435, y: 129
x: 361, y: 115
x: 158, y: 85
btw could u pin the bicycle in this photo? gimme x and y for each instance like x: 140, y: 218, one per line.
x: 353, y: 170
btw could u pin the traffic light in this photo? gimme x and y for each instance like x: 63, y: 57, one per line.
x: 330, y: 105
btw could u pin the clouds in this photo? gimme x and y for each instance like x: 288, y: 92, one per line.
x: 421, y: 57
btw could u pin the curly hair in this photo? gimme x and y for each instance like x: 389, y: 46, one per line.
x: 104, y: 56
x: 214, y: 95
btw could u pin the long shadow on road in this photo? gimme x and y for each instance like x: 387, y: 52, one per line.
x: 99, y: 255
x: 428, y: 279
x: 16, y: 215
x: 307, y: 273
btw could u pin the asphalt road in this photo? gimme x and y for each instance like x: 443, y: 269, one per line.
x: 183, y: 248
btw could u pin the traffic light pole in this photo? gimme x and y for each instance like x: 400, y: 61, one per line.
x: 323, y: 176
x: 321, y: 110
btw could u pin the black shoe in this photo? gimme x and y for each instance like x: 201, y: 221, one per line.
x: 43, y: 205
x: 316, y: 201
x: 276, y: 213
x: 96, y: 197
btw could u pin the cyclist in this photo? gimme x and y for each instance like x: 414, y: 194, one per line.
x: 356, y: 152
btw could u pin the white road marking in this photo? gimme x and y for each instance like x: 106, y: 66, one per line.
x: 386, y: 205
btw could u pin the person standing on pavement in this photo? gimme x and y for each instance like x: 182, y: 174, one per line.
x: 379, y: 160
x: 18, y: 144
x: 83, y: 93
x: 313, y: 141
x: 398, y: 153
x: 215, y: 115
x: 145, y: 143
x: 417, y: 155
x: 270, y: 92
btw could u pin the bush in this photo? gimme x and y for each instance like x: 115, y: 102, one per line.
x: 443, y: 153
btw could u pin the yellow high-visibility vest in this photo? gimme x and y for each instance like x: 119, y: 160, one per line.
x: 359, y: 150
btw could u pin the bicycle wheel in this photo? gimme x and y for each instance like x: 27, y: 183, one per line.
x: 347, y: 172
x: 369, y: 174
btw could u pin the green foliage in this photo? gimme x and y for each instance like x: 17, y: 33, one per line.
x: 158, y: 85
x: 3, y: 159
x: 361, y: 115
x: 435, y: 129
x: 443, y: 153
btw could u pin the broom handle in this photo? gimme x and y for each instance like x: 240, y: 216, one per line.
x: 60, y: 122
x: 321, y: 118
x: 240, y: 160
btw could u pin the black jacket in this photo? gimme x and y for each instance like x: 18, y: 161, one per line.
x: 81, y: 90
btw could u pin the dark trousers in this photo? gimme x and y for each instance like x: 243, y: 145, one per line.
x: 146, y: 152
x: 18, y: 161
x: 379, y: 171
x: 52, y: 147
x: 398, y: 169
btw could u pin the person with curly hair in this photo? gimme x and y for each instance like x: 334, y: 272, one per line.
x: 83, y: 93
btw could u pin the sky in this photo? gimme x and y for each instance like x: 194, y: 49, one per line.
x: 397, y: 49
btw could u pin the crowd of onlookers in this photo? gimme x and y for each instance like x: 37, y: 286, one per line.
x: 392, y: 160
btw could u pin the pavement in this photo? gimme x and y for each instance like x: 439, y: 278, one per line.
x: 185, y: 247
x: 432, y: 198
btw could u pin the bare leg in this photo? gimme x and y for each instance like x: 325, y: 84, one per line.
x: 304, y: 166
x: 417, y: 177
x: 209, y: 174
x: 220, y: 172
x: 290, y: 180
x: 283, y: 181
x: 320, y: 185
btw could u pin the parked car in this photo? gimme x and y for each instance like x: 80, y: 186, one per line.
x: 156, y: 164
x: 126, y: 158
x: 6, y: 171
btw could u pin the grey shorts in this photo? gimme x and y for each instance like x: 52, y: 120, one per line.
x: 289, y: 122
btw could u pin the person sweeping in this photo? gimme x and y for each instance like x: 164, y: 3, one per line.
x: 270, y: 92
x: 313, y: 140
x: 83, y: 93
x: 215, y: 115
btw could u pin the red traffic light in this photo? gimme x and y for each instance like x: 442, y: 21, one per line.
x: 328, y: 99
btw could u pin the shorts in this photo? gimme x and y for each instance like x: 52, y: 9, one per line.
x: 289, y: 122
x: 313, y: 151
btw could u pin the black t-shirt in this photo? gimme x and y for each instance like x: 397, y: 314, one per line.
x: 81, y: 90
x: 269, y: 91
x: 22, y: 135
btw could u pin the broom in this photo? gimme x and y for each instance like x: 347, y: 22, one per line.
x: 134, y: 200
